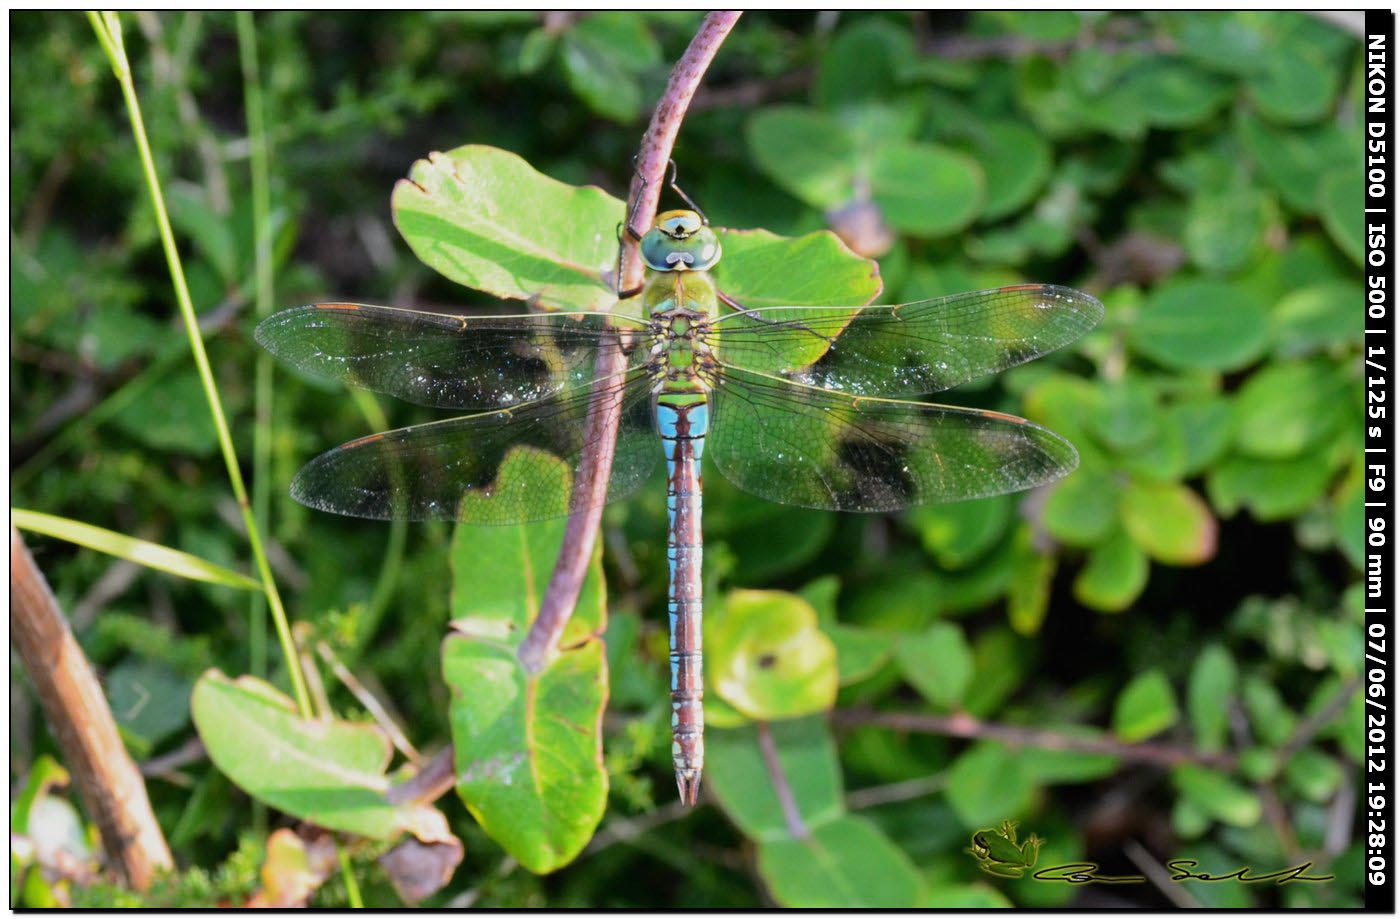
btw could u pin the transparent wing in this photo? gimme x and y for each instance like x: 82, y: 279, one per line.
x: 798, y: 445
x: 909, y: 349
x: 436, y: 359
x: 453, y: 469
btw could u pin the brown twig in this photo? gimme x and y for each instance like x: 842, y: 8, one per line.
x: 429, y: 783
x: 791, y: 815
x: 111, y: 787
x: 605, y: 413
x: 961, y: 724
x: 1307, y: 729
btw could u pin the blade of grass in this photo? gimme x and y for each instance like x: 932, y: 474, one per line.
x: 148, y: 554
x: 258, y: 165
x: 108, y: 29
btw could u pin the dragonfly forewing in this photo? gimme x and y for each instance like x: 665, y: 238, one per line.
x: 799, y: 445
x: 909, y: 349
x: 443, y: 360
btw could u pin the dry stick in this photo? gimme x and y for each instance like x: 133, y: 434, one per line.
x: 962, y: 724
x: 605, y: 413
x: 112, y: 790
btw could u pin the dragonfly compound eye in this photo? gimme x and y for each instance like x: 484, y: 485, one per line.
x: 696, y: 251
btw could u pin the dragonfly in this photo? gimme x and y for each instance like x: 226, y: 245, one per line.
x: 802, y: 405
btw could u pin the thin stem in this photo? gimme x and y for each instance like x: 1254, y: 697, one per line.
x: 961, y: 724
x: 605, y: 414
x: 108, y: 29
x: 263, y: 297
x: 791, y: 815
x: 352, y: 886
x: 369, y: 702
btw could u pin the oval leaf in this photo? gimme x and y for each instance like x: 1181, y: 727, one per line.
x: 768, y: 657
x: 1146, y: 706
x: 1169, y: 521
x: 529, y: 745
x: 844, y: 864
x: 327, y: 772
x: 486, y: 219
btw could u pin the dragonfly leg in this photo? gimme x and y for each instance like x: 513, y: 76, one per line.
x: 636, y: 237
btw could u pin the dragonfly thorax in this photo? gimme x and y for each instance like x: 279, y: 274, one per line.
x: 680, y: 241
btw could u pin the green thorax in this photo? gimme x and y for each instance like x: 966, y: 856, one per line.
x: 680, y: 297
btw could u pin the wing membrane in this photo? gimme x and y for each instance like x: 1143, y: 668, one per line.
x: 441, y: 360
x: 910, y: 349
x: 799, y: 445
x: 452, y: 469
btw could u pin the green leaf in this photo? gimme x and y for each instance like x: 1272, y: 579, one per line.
x: 988, y: 784
x: 1051, y: 767
x: 1338, y: 195
x: 760, y: 269
x: 1083, y: 508
x: 958, y: 535
x: 1313, y: 774
x: 149, y: 701
x: 1294, y: 88
x: 1028, y: 595
x: 735, y: 772
x: 1216, y: 795
x: 1224, y: 41
x: 172, y: 414
x: 1270, y: 717
x: 1204, y: 425
x: 1286, y: 408
x: 1316, y: 317
x: 1208, y: 691
x: 859, y: 652
x: 1114, y: 574
x: 325, y: 771
x: 844, y: 863
x: 1170, y: 522
x: 964, y: 896
x: 479, y: 216
x: 903, y: 604
x: 862, y: 64
x: 1223, y: 228
x: 925, y: 189
x: 806, y: 152
x: 602, y: 54
x: 1200, y: 325
x: 1002, y: 662
x: 1295, y: 161
x: 1171, y: 93
x: 1016, y: 160
x: 767, y: 656
x: 148, y: 554
x: 529, y: 745
x: 1145, y: 707
x: 937, y: 662
x: 211, y: 232
x: 1269, y: 489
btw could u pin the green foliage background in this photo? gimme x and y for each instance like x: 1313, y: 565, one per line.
x: 1196, y: 583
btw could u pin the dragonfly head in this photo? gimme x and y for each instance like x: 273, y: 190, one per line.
x: 680, y: 241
